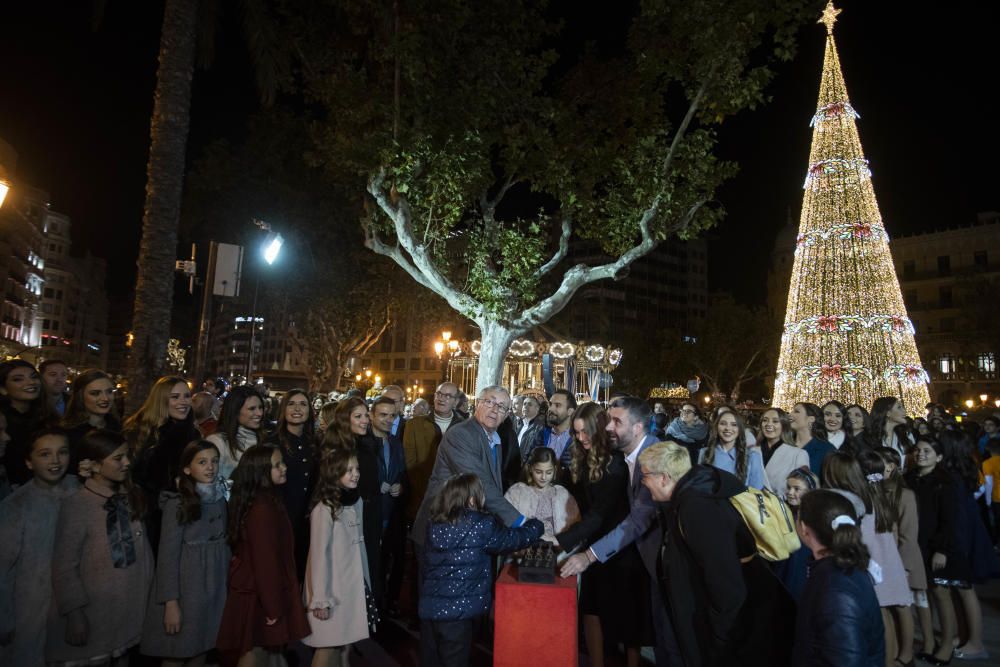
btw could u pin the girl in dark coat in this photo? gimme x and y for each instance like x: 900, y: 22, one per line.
x: 457, y: 573
x: 264, y: 608
x: 295, y: 437
x: 91, y: 405
x: 839, y: 622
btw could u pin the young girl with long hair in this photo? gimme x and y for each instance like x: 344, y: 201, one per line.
x: 539, y: 497
x: 27, y: 534
x: 794, y: 570
x: 102, y: 566
x: 263, y: 609
x: 457, y: 572
x: 182, y: 619
x: 842, y: 473
x: 903, y: 504
x: 25, y: 408
x: 981, y: 562
x: 239, y: 426
x: 91, y: 405
x: 838, y: 620
x: 599, y: 483
x: 727, y: 450
x: 157, y: 434
x: 337, y: 589
x: 777, y: 445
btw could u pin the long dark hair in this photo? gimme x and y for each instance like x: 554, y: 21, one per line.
x: 76, y: 413
x: 38, y: 409
x: 818, y: 429
x: 886, y: 511
x: 959, y: 457
x: 538, y: 455
x: 453, y: 499
x: 841, y: 471
x: 229, y: 418
x: 189, y: 508
x: 251, y: 479
x: 338, y: 432
x: 596, y: 459
x: 332, y: 468
x: 308, y: 429
x: 817, y: 510
x: 894, y: 482
x: 100, y: 443
x: 880, y: 414
x: 742, y: 454
x: 866, y: 420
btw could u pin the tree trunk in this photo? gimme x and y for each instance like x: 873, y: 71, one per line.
x: 495, y: 343
x: 154, y: 288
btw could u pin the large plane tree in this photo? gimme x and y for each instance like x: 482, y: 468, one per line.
x: 490, y: 138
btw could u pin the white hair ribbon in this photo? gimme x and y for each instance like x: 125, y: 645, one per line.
x: 841, y: 520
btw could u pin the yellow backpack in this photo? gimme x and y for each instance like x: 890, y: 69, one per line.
x: 770, y: 522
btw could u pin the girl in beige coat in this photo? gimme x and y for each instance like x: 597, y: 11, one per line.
x: 538, y: 497
x: 336, y: 583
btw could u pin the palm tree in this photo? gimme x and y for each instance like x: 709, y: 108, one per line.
x: 184, y: 21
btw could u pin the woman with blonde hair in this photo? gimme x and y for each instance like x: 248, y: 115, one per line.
x: 156, y: 435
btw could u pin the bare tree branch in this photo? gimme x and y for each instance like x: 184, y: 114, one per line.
x: 560, y: 254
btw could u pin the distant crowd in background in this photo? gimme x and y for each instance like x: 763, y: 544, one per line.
x: 222, y: 524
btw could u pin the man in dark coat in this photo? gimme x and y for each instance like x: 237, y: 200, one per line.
x: 724, y: 602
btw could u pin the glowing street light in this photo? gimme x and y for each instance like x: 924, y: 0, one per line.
x: 272, y: 246
x: 983, y: 397
x: 969, y: 403
x: 4, y: 189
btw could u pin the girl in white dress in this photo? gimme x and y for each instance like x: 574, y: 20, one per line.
x: 537, y: 497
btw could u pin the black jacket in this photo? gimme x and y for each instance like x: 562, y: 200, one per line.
x: 369, y: 486
x: 603, y: 504
x: 723, y: 599
x: 839, y: 622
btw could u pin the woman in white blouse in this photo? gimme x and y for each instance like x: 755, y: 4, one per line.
x: 777, y: 443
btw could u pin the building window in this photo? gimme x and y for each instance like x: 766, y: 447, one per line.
x: 980, y: 259
x: 946, y: 364
x: 947, y: 324
x: 399, y: 364
x: 986, y: 362
x: 415, y: 363
x: 49, y: 292
x: 944, y: 265
x: 431, y: 364
x: 910, y: 297
x: 944, y: 297
x: 909, y: 268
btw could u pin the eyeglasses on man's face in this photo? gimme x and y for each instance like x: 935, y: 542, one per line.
x: 491, y: 403
x: 442, y: 395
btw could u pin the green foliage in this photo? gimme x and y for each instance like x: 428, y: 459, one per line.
x: 451, y: 100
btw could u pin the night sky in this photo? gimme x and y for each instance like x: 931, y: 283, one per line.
x: 75, y: 104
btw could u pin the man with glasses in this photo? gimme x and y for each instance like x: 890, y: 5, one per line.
x: 473, y: 446
x: 420, y: 442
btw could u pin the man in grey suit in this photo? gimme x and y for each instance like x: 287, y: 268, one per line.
x: 628, y: 419
x: 472, y: 446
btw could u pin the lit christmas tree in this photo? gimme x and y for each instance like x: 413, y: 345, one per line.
x: 847, y: 335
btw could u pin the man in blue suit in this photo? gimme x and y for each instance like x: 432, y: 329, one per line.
x: 628, y: 420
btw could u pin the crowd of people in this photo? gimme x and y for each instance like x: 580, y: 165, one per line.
x: 219, y: 525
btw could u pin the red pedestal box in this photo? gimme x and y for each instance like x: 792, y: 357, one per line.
x: 534, y: 624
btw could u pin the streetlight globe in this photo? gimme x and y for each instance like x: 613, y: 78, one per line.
x: 446, y: 335
x: 983, y: 397
x: 357, y: 377
x: 272, y: 246
x: 969, y: 403
x: 368, y: 373
x: 708, y: 399
x: 438, y: 348
x: 4, y: 189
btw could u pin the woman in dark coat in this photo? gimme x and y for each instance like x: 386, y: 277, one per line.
x: 599, y: 480
x: 723, y: 600
x: 23, y: 403
x: 295, y: 437
x: 91, y: 405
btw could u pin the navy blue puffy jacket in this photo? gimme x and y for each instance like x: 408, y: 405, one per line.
x: 457, y: 581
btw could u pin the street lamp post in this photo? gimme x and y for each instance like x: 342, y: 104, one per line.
x: 447, y: 343
x: 269, y: 251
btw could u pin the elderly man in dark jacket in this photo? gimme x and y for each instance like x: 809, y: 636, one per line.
x: 724, y: 602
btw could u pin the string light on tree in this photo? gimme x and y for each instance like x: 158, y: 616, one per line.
x: 847, y: 335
